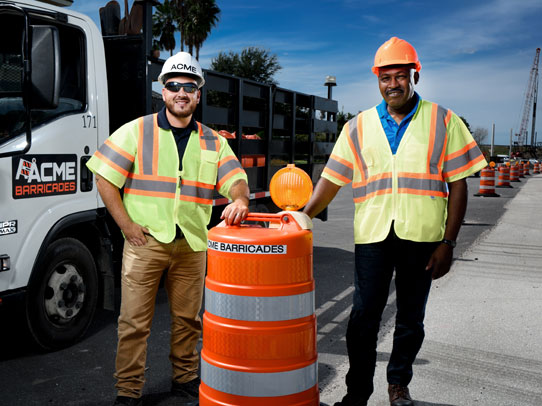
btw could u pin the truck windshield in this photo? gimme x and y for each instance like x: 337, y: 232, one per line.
x: 72, y: 73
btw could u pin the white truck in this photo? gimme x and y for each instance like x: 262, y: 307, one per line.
x: 63, y: 89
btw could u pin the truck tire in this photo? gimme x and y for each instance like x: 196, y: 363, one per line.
x: 62, y: 295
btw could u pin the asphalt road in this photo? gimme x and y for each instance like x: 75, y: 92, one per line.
x: 83, y: 373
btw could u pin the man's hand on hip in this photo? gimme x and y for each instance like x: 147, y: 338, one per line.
x: 135, y: 234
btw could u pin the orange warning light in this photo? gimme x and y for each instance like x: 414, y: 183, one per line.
x: 492, y: 164
x: 290, y: 188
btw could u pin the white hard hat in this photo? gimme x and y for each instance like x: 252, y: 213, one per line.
x: 182, y: 64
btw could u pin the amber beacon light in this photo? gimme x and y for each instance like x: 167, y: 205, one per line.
x: 290, y: 188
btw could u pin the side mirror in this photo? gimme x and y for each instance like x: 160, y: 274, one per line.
x: 45, y: 69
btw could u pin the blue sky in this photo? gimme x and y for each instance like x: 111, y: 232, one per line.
x: 476, y: 55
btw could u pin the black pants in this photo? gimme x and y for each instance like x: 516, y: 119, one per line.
x: 375, y: 264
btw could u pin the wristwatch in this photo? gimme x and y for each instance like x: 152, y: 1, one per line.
x: 451, y: 243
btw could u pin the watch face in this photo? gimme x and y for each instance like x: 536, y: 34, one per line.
x: 449, y: 242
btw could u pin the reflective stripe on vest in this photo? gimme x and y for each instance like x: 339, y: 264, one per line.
x: 208, y: 141
x: 197, y: 192
x: 259, y: 308
x: 340, y: 168
x: 148, y: 182
x: 227, y: 167
x: 430, y: 182
x: 257, y: 384
x: 116, y: 157
x: 462, y: 159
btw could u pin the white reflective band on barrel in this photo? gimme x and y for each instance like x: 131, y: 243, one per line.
x: 259, y: 308
x: 259, y: 384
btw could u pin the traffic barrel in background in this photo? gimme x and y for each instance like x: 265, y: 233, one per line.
x: 536, y: 168
x: 487, y: 182
x: 521, y: 170
x: 514, y: 173
x: 259, y: 325
x: 504, y: 177
x: 526, y: 169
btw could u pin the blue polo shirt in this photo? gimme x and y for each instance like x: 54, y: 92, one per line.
x: 394, y: 132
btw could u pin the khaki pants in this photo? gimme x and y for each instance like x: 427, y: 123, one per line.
x: 142, y: 269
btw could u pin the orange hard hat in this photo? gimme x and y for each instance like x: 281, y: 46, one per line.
x: 396, y: 51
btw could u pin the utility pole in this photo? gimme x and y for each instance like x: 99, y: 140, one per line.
x: 492, y: 141
x: 510, y: 147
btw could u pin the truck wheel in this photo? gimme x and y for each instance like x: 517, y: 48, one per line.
x: 62, y: 295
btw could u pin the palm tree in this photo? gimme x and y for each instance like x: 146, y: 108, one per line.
x: 200, y: 17
x: 193, y: 18
x: 164, y: 25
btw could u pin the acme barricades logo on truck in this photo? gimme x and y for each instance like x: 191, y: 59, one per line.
x: 44, y: 175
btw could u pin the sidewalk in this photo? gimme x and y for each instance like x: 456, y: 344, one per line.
x: 483, y: 342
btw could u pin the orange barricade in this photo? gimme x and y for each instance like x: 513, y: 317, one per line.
x: 536, y: 168
x: 504, y: 177
x: 521, y: 170
x: 526, y: 169
x: 259, y: 326
x: 487, y: 183
x: 514, y: 173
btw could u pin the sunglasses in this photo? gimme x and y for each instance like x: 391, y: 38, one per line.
x: 176, y: 87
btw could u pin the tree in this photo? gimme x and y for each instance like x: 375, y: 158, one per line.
x: 197, y: 20
x: 194, y: 19
x: 164, y: 25
x: 342, y: 118
x: 252, y: 63
x: 466, y: 123
x: 479, y: 134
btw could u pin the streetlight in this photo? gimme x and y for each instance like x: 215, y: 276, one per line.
x: 330, y: 82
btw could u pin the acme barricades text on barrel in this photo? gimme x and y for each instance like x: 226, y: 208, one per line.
x: 259, y: 325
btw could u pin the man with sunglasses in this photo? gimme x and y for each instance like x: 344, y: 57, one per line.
x: 169, y: 165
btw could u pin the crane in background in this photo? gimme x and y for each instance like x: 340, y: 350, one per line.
x: 531, y: 95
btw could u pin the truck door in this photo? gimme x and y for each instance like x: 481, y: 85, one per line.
x: 43, y: 186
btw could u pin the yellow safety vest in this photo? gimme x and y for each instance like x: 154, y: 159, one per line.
x: 408, y: 188
x: 143, y: 158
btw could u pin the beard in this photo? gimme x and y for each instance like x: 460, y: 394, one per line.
x: 181, y: 112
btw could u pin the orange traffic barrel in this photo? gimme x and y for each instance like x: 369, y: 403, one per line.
x: 526, y: 169
x: 536, y: 168
x: 504, y: 177
x: 487, y: 183
x: 521, y: 170
x: 259, y: 325
x: 514, y: 173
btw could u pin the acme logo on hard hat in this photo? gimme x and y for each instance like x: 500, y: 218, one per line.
x: 182, y: 66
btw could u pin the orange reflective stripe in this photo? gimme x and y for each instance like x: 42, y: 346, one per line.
x: 112, y: 164
x: 226, y: 177
x: 197, y: 192
x: 156, y: 138
x: 141, y: 127
x: 418, y: 175
x: 418, y: 185
x: 355, y: 140
x: 432, y: 130
x: 339, y: 168
x: 185, y: 182
x: 376, y: 185
x: 207, y: 139
x: 120, y: 151
x: 152, y: 185
x: 227, y: 167
x: 337, y: 175
x: 152, y: 177
x: 149, y: 193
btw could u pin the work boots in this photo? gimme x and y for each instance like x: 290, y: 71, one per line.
x: 399, y: 395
